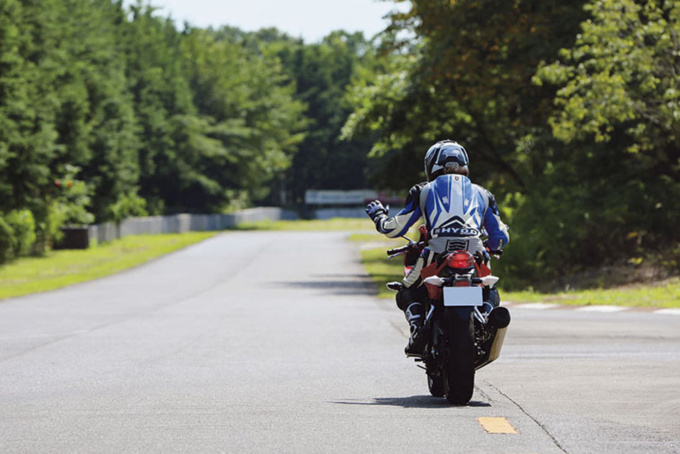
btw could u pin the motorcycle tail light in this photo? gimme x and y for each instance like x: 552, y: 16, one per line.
x: 461, y: 260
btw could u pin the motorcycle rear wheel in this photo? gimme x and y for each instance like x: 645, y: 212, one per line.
x: 459, y: 367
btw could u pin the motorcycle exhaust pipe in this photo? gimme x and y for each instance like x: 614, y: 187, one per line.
x: 499, y: 317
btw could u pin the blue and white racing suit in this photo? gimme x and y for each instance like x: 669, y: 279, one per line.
x: 456, y: 213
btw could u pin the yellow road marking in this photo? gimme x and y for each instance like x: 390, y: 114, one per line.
x: 497, y: 426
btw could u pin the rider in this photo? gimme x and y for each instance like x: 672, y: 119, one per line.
x: 455, y: 212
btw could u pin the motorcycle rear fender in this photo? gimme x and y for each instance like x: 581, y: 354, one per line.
x: 441, y: 325
x: 462, y: 312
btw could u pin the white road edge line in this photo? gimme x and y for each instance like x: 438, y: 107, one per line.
x: 539, y: 306
x: 603, y: 308
x: 668, y: 311
x: 593, y: 308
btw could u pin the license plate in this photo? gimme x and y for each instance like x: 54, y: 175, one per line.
x: 463, y: 296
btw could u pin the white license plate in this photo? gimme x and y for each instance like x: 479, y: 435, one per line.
x: 463, y: 296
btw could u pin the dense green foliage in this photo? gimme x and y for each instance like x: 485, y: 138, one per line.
x: 569, y: 111
x: 108, y: 112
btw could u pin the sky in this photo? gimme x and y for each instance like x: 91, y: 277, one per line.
x: 310, y: 20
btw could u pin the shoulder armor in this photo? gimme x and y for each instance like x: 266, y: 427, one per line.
x: 414, y: 193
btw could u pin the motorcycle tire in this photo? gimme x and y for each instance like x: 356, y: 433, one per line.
x: 459, y: 367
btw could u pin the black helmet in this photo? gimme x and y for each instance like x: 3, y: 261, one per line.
x: 446, y: 156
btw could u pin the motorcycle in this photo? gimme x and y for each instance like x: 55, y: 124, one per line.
x: 463, y: 329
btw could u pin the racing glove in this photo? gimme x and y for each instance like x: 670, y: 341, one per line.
x: 376, y: 211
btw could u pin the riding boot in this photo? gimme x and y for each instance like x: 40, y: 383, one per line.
x: 415, y: 314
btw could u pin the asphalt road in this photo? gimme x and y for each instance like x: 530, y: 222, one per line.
x: 274, y: 342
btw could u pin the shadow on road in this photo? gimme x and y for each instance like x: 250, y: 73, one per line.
x: 339, y: 284
x: 422, y: 401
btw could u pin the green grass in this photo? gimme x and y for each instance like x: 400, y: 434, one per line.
x: 664, y: 295
x: 61, y: 268
x: 350, y: 224
x: 381, y: 269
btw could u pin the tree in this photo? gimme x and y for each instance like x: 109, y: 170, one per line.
x: 322, y: 73
x: 466, y: 76
x: 617, y: 113
x: 27, y: 135
x: 162, y: 102
x: 84, y: 88
x: 250, y: 118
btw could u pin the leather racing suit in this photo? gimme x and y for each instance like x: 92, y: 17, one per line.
x: 455, y: 212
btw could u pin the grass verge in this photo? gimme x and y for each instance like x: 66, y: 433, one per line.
x: 665, y: 294
x: 382, y: 270
x: 61, y: 268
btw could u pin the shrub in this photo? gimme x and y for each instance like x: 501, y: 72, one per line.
x: 17, y: 234
x: 128, y: 205
x: 74, y: 197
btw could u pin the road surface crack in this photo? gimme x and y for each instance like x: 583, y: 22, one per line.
x: 538, y: 423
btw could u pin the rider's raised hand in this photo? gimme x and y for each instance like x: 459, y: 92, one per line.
x: 376, y: 210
